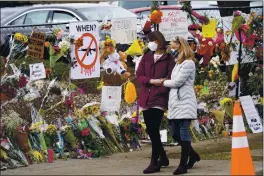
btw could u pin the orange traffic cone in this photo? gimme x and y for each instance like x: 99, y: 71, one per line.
x: 241, y: 161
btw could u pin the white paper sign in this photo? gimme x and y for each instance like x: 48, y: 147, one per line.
x: 85, y: 58
x: 37, y: 71
x: 163, y: 136
x: 251, y: 114
x: 111, y: 98
x: 174, y: 23
x: 124, y: 30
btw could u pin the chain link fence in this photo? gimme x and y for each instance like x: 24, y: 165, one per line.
x: 7, y: 34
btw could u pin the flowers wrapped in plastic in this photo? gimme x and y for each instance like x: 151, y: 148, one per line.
x: 37, y: 133
x: 14, y: 157
x: 69, y: 137
x: 50, y: 135
x: 227, y: 104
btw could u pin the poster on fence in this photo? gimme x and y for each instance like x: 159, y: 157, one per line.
x: 85, y: 51
x: 251, y: 114
x: 124, y: 30
x: 208, y: 30
x: 36, y: 45
x: 111, y: 98
x: 174, y: 23
x: 37, y: 71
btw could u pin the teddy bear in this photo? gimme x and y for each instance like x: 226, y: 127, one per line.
x: 111, y: 60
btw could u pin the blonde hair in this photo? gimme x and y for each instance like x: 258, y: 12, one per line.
x: 185, y: 51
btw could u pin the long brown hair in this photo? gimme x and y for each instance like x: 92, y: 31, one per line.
x: 185, y: 51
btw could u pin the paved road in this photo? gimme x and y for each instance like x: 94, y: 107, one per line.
x: 133, y: 163
x: 109, y: 166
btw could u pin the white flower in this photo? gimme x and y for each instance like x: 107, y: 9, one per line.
x: 250, y: 74
x: 210, y: 43
x: 64, y: 44
x: 30, y: 97
x: 203, y: 39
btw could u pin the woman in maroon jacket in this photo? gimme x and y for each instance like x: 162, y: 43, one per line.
x: 153, y: 99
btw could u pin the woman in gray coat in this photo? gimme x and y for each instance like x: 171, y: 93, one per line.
x: 182, y: 107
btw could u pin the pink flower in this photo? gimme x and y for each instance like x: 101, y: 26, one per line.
x: 237, y: 13
x: 74, y: 94
x: 81, y: 91
x: 257, y: 68
x: 89, y: 154
x: 56, y: 48
x: 134, y: 120
x: 60, y: 34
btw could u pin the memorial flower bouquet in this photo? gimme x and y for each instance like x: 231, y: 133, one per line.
x: 227, y: 104
x: 109, y: 133
x: 60, y: 48
x: 8, y: 87
x: 10, y: 121
x: 13, y: 155
x: 37, y: 135
x: 18, y: 46
x: 69, y: 137
x: 50, y: 135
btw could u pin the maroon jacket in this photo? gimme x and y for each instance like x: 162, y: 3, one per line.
x: 151, y: 95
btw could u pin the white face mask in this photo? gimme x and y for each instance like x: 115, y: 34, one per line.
x: 152, y: 46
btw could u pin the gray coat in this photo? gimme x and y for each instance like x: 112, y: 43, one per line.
x: 182, y: 99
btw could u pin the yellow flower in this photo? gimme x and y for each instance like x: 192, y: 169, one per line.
x: 225, y: 100
x: 38, y: 156
x: 228, y: 33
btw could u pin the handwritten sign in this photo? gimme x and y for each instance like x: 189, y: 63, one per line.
x: 111, y: 98
x: 85, y: 58
x: 124, y: 30
x: 209, y: 29
x: 36, y: 45
x: 37, y: 71
x: 174, y: 23
x: 251, y: 114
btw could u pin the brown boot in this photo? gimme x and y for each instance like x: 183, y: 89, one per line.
x: 153, y: 167
x: 164, y: 161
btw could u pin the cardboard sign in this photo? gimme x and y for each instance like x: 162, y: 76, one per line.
x: 124, y: 30
x: 111, y: 98
x: 85, y: 59
x: 251, y: 114
x: 36, y: 45
x: 174, y: 23
x: 37, y: 71
x: 209, y: 29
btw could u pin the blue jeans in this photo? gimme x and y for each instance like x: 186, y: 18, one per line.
x: 180, y: 130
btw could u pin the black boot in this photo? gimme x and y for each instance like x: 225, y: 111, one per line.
x: 153, y: 167
x: 182, y: 168
x: 164, y: 161
x: 194, y: 157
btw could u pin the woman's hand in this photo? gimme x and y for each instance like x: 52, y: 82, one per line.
x: 162, y: 81
x: 156, y: 82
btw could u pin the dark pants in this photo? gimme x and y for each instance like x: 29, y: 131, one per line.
x: 152, y: 118
x: 180, y: 131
